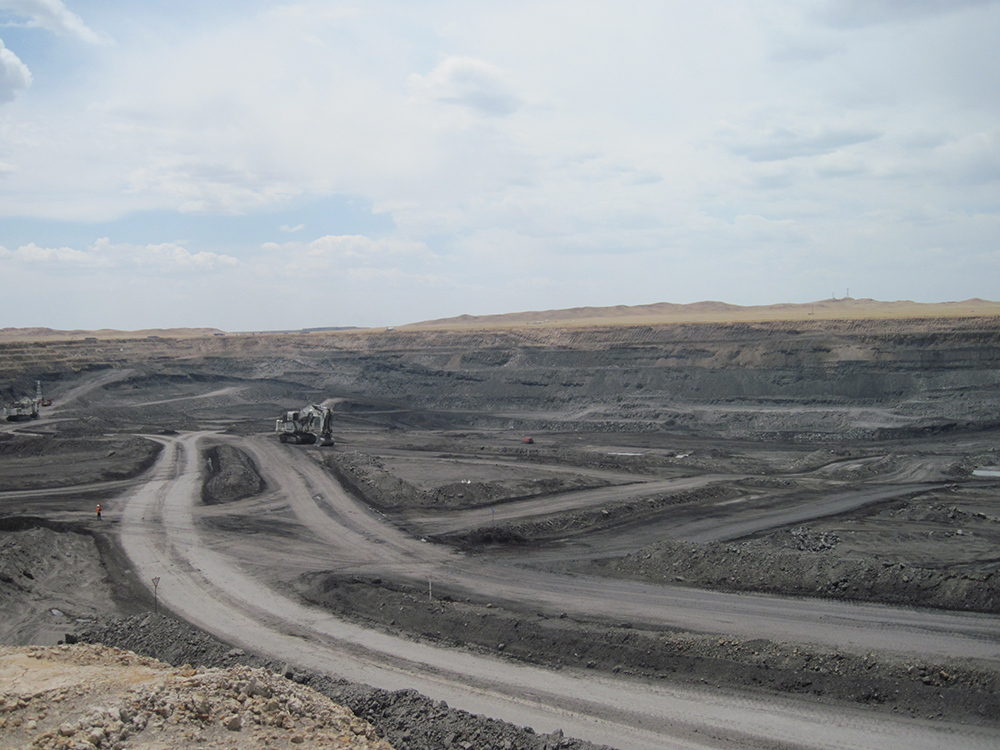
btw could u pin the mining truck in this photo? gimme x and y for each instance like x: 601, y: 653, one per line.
x: 306, y: 426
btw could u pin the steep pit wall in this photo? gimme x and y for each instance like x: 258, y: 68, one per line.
x: 638, y: 377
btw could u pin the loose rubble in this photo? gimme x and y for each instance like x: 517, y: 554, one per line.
x: 82, y: 697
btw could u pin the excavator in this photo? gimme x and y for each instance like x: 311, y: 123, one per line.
x: 26, y: 408
x: 306, y: 426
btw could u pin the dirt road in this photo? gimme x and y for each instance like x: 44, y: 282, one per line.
x: 207, y: 585
x: 448, y: 522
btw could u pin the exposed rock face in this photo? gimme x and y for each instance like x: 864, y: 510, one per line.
x: 27, y: 459
x: 847, y: 380
x: 232, y: 476
x: 801, y: 567
x: 39, y: 597
x: 368, y: 478
x: 90, y: 696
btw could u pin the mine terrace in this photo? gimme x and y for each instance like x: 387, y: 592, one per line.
x: 641, y: 528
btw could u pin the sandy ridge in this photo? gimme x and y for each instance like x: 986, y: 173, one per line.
x: 660, y: 313
x: 80, y: 696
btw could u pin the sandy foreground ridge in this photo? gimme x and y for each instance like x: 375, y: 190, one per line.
x: 81, y: 696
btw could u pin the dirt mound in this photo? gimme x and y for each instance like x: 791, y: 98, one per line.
x: 405, y: 718
x: 232, y: 476
x: 92, y: 696
x: 52, y: 581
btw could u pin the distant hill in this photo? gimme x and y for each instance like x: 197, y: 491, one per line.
x: 41, y: 334
x: 660, y: 313
x: 720, y: 312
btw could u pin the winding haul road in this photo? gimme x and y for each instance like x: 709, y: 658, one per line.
x: 203, y: 582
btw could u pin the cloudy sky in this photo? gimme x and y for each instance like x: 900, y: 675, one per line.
x: 254, y: 165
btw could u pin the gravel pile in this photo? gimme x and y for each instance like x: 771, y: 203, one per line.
x: 405, y: 718
x: 84, y: 697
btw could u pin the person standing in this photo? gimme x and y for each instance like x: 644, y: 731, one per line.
x: 98, y: 511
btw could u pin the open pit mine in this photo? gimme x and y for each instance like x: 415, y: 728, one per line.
x: 763, y: 531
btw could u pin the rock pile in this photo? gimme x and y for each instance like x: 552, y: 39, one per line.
x: 82, y: 697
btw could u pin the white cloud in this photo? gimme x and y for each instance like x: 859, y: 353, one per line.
x: 520, y: 154
x: 345, y: 252
x: 14, y: 74
x: 470, y: 83
x: 783, y: 143
x: 65, y: 257
x: 54, y: 16
x: 166, y: 257
x: 851, y: 14
x: 206, y: 185
x: 972, y: 160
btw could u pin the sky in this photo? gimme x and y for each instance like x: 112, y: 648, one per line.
x: 260, y: 165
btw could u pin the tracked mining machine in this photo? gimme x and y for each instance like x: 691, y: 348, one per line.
x: 306, y: 426
x: 26, y: 408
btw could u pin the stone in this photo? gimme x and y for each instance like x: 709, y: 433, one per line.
x: 96, y: 736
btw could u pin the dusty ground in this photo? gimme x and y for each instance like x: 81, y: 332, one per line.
x: 655, y: 450
x: 90, y: 696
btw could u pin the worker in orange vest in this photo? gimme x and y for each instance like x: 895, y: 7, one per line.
x: 98, y: 511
